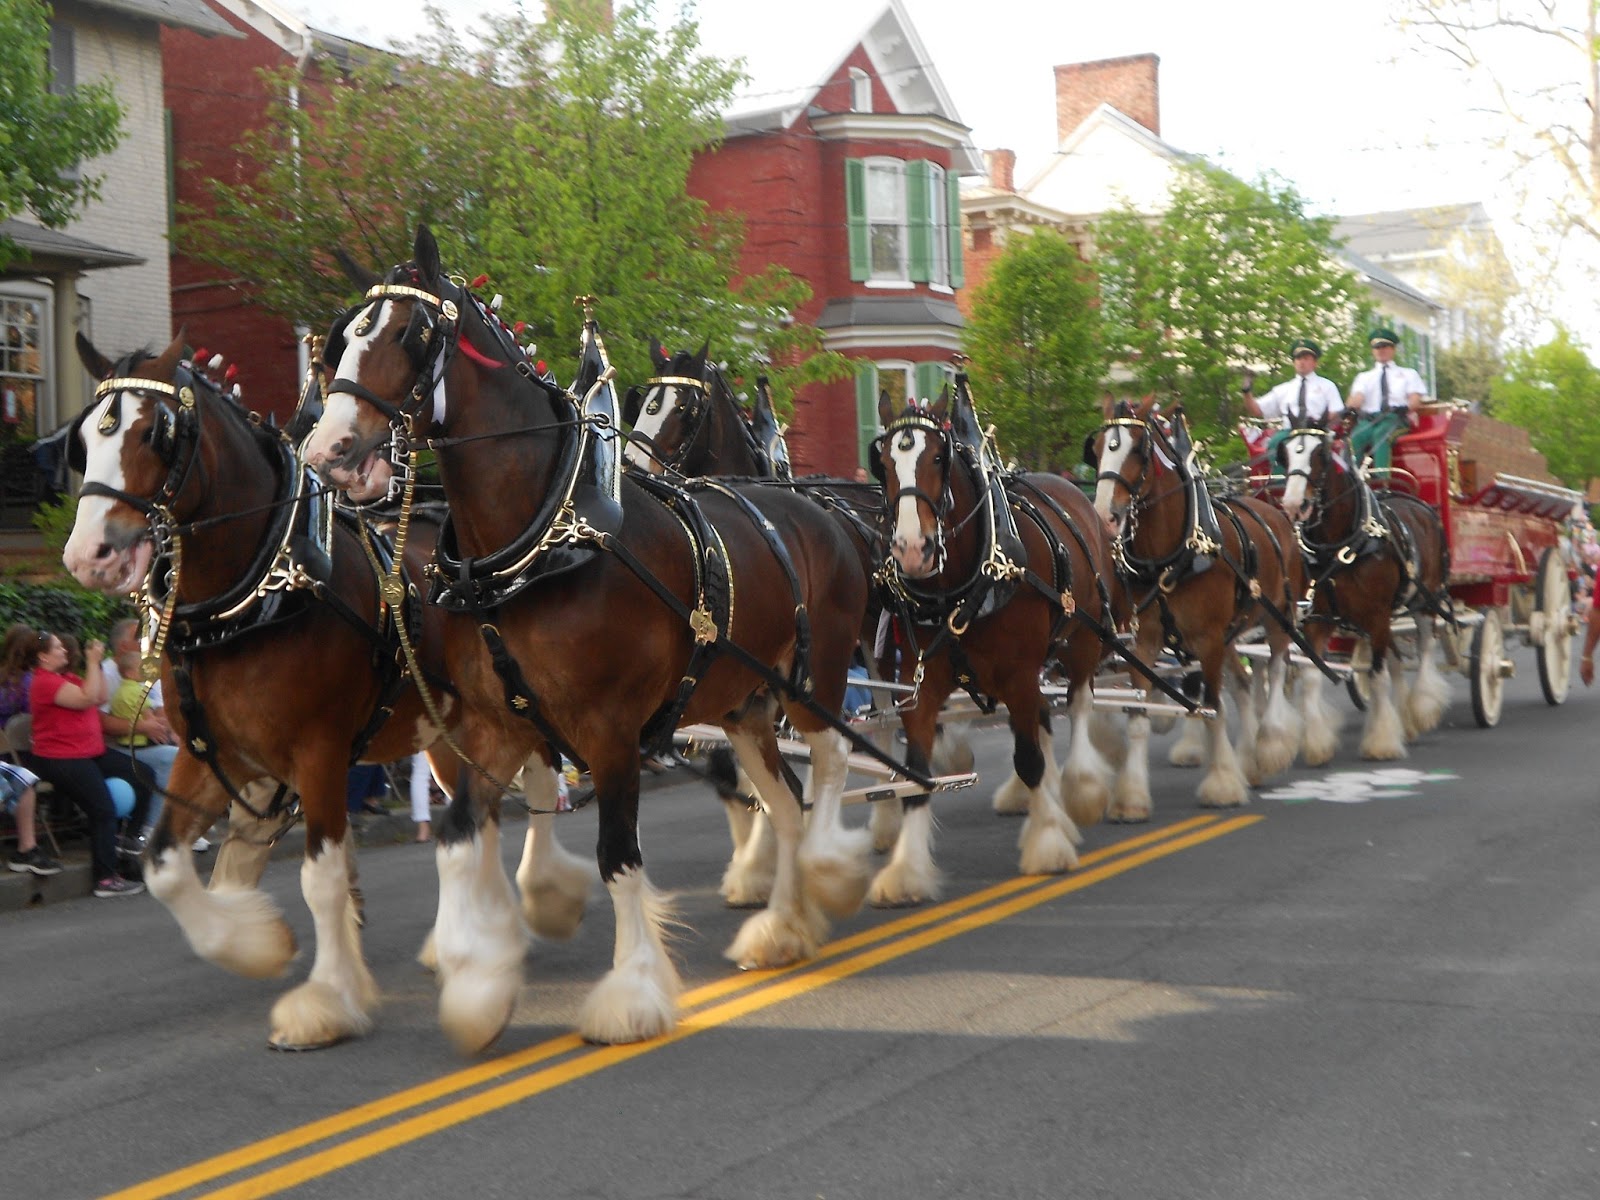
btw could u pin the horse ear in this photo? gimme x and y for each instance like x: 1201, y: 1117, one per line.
x: 167, y: 360
x: 657, y: 354
x: 705, y: 349
x: 885, y: 409
x: 941, y: 406
x: 354, y: 271
x: 93, y: 361
x: 425, y: 253
x: 1147, y: 405
x: 1108, y: 404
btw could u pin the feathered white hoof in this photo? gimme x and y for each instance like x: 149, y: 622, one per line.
x: 242, y: 930
x: 910, y: 876
x: 475, y: 1004
x: 1108, y: 733
x: 773, y: 939
x: 631, y: 1004
x: 1383, y: 740
x: 1085, y: 795
x: 554, y: 903
x: 1130, y: 803
x: 835, y: 870
x: 1190, y: 748
x: 951, y: 753
x: 884, y: 824
x: 1162, y: 723
x: 1223, y: 789
x: 1047, y: 848
x: 428, y: 956
x: 315, y: 1015
x: 747, y: 882
x: 1429, y: 699
x: 1011, y: 797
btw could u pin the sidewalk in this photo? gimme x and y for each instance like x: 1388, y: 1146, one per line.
x: 394, y: 828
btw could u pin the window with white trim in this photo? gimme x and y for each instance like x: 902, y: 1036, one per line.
x: 904, y: 222
x: 23, y: 341
x: 924, y: 380
x: 860, y: 90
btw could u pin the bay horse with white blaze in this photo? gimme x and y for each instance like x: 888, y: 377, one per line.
x: 615, y: 609
x: 280, y: 661
x: 1370, y: 555
x: 997, y: 576
x: 1200, y: 571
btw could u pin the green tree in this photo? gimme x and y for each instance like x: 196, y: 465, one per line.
x: 1553, y: 391
x: 554, y: 159
x: 1467, y: 371
x: 44, y: 136
x: 1034, y: 341
x: 1224, y: 280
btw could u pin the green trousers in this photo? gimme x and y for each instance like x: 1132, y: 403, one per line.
x: 1375, y: 435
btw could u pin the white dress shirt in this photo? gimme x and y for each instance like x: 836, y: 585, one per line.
x: 1322, y: 397
x: 1366, y: 393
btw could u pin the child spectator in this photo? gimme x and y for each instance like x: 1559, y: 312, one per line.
x: 18, y: 798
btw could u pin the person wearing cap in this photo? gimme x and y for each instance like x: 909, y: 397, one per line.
x: 1384, y: 397
x: 1307, y: 394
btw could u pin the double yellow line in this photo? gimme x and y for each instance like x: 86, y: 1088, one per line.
x: 705, y: 1007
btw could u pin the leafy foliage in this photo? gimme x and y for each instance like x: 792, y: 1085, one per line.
x: 44, y: 136
x: 1553, y: 391
x: 61, y: 608
x: 1467, y: 371
x: 555, y: 159
x: 1034, y: 340
x: 1224, y: 280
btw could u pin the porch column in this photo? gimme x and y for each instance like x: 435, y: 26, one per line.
x: 67, y: 393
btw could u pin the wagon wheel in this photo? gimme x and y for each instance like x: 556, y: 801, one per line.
x: 1553, y: 600
x: 1488, y: 688
x: 1359, y: 685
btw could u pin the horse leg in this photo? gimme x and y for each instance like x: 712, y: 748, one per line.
x: 232, y: 924
x: 242, y: 857
x: 338, y: 999
x: 1131, y: 801
x: 1190, y: 748
x: 1244, y: 686
x: 1322, y: 722
x: 910, y: 876
x: 1085, y: 784
x: 834, y: 859
x: 884, y: 821
x: 1224, y: 785
x: 553, y: 882
x: 1384, y: 737
x: 478, y: 935
x: 638, y: 998
x: 1430, y: 694
x: 1281, y: 729
x: 747, y: 881
x: 792, y: 926
x: 1049, y: 837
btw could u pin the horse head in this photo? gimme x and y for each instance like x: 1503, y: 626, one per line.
x: 1123, y: 456
x: 672, y: 413
x: 912, y: 459
x: 1305, y: 458
x: 136, y: 446
x: 388, y: 356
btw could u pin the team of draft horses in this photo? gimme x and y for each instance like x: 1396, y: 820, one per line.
x: 488, y: 633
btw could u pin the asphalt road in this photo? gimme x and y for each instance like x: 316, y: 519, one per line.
x: 1374, y: 989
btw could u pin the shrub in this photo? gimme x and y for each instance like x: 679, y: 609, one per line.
x: 61, y: 608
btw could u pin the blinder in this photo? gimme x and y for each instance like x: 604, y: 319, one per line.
x: 630, y: 405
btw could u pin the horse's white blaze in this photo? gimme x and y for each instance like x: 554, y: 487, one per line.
x: 1112, y: 459
x: 238, y: 929
x: 479, y: 940
x: 341, y: 413
x: 638, y: 998
x: 908, y: 541
x: 650, y: 425
x: 122, y: 569
x: 1298, y: 449
x: 338, y: 999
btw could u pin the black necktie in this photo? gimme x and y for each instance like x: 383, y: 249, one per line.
x: 1302, y: 395
x: 1383, y: 384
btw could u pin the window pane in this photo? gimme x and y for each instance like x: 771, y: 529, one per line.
x: 888, y: 252
x: 939, y: 267
x: 886, y: 192
x: 896, y: 381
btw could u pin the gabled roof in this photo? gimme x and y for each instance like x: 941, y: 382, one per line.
x: 1385, y: 278
x: 179, y: 14
x: 1410, y: 231
x: 50, y: 249
x: 288, y: 25
x: 1108, y: 117
x: 898, y: 57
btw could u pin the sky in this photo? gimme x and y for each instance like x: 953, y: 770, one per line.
x: 1335, y: 99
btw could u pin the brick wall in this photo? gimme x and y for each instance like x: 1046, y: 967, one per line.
x: 1130, y: 85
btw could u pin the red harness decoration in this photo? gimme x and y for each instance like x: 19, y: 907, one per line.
x: 478, y: 356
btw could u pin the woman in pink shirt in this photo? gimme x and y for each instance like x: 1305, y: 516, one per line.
x: 70, y: 752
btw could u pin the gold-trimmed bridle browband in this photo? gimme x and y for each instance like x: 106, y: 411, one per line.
x: 382, y: 290
x: 132, y: 383
x: 678, y: 380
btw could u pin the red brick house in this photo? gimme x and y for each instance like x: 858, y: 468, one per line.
x: 850, y: 183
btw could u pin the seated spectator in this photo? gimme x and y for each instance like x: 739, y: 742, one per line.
x: 69, y: 751
x: 135, y: 724
x: 16, y: 652
x: 18, y: 798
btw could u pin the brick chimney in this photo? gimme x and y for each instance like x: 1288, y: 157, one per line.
x: 1002, y: 166
x: 1129, y: 85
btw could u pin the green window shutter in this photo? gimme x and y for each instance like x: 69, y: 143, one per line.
x: 919, y: 220
x: 866, y: 410
x: 931, y: 377
x: 952, y: 208
x: 855, y: 207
